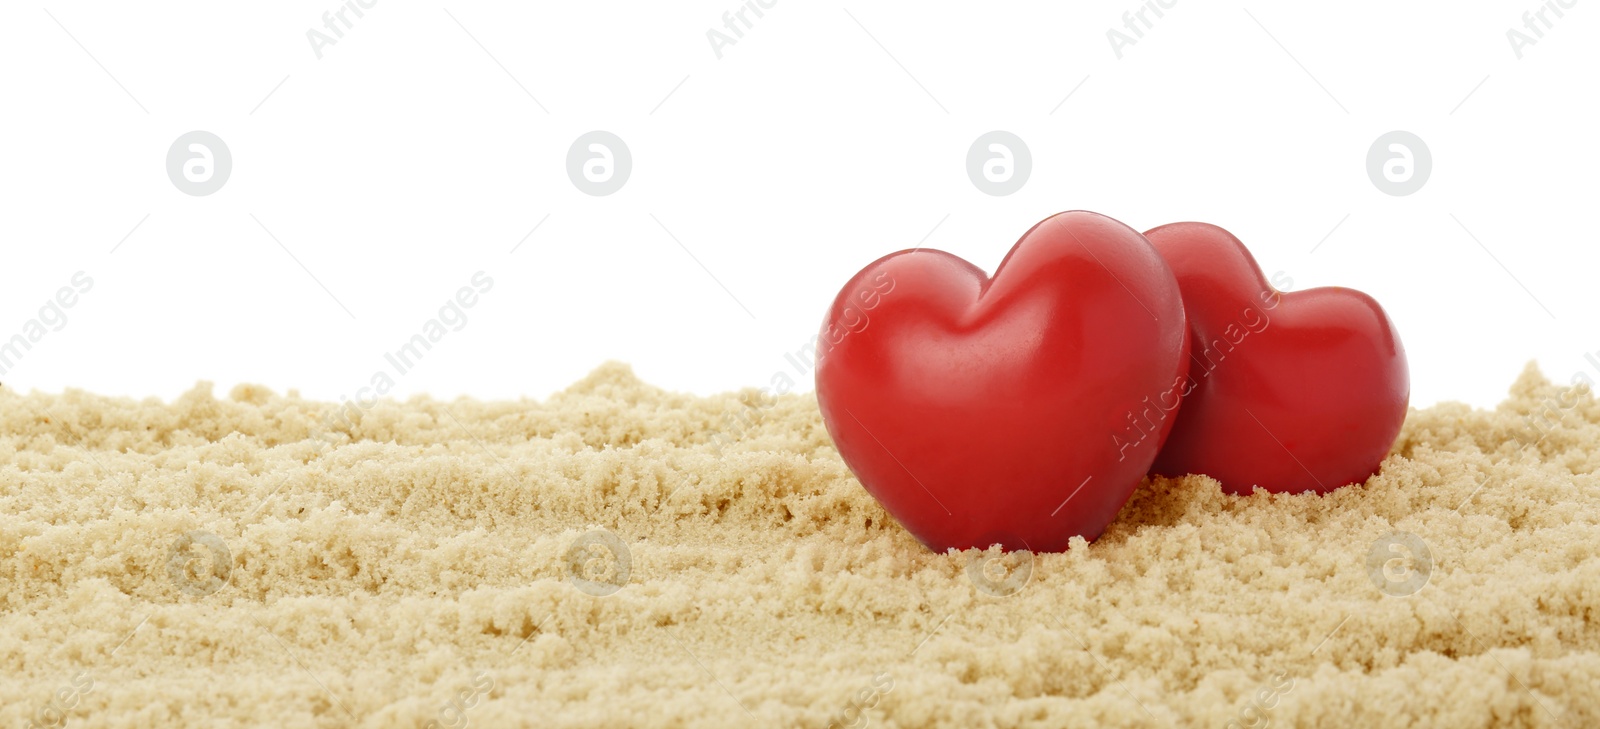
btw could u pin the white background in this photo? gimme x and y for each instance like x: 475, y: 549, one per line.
x: 406, y: 158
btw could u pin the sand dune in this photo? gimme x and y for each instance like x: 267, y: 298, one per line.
x: 604, y: 559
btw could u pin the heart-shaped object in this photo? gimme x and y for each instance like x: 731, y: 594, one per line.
x: 985, y: 411
x: 1292, y: 392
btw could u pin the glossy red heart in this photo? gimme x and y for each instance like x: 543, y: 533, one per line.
x: 1293, y: 392
x: 985, y: 410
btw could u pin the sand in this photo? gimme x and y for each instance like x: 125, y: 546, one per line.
x: 427, y: 565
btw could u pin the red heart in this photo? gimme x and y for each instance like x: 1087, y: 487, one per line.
x: 1294, y: 392
x: 982, y: 411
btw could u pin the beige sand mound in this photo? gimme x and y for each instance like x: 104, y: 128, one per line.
x: 413, y: 567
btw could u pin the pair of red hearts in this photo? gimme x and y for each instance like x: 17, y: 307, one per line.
x: 1025, y: 408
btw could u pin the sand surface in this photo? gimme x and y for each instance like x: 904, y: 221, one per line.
x: 427, y: 564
